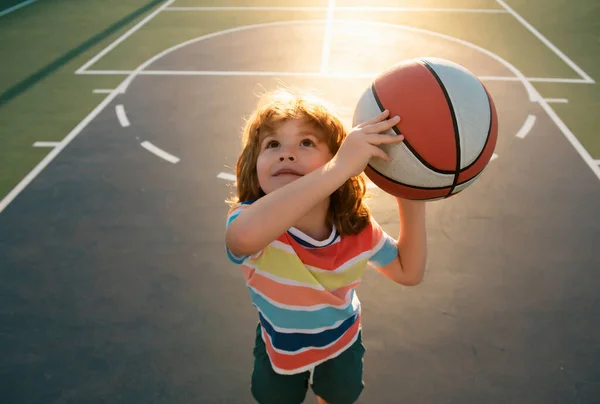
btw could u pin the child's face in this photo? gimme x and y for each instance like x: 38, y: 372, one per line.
x: 294, y: 149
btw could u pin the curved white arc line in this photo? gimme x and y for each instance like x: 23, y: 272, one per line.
x: 160, y: 152
x: 125, y: 84
x: 526, y: 128
x: 122, y: 116
x: 534, y: 95
x: 531, y: 91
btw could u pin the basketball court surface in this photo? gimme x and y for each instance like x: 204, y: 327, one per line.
x: 114, y: 283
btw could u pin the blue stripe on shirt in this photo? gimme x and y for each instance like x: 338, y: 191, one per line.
x: 386, y: 254
x: 232, y: 257
x: 303, y: 320
x: 292, y: 342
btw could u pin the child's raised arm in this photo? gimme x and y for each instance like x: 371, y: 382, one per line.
x: 408, y: 269
x: 273, y: 214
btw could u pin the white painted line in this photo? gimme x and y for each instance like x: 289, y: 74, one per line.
x: 239, y: 73
x: 248, y: 8
x: 565, y: 81
x: 105, y: 72
x: 122, y: 116
x: 103, y: 91
x: 227, y: 177
x: 527, y: 126
x: 533, y: 94
x: 571, y: 138
x: 307, y: 74
x: 498, y: 78
x: 328, y: 35
x: 557, y: 100
x: 16, y: 7
x: 494, y: 157
x: 123, y: 37
x: 159, y: 152
x: 425, y: 9
x: 536, y: 79
x: 546, y: 42
x: 46, y: 144
x: 54, y: 152
x: 304, y: 74
x: 597, y: 162
x: 344, y: 8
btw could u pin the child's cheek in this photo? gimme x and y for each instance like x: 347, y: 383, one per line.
x: 262, y: 169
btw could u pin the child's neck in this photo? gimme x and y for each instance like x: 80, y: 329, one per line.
x: 314, y: 223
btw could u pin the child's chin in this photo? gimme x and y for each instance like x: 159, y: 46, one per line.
x: 281, y: 182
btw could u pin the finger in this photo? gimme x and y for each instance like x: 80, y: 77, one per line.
x: 376, y: 138
x: 375, y: 119
x: 382, y: 126
x: 378, y: 153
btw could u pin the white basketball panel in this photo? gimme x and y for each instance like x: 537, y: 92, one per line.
x: 366, y: 108
x: 404, y: 167
x: 471, y: 107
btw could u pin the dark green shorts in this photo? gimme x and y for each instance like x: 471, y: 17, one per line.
x: 337, y: 381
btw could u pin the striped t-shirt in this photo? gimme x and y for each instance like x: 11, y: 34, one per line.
x: 304, y: 291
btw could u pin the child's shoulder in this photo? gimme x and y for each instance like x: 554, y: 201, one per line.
x: 371, y: 235
x: 235, y: 210
x: 364, y: 236
x: 367, y: 229
x: 238, y: 206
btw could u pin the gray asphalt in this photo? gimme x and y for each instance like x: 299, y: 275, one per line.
x: 114, y: 284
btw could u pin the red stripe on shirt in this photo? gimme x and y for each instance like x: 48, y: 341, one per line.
x: 291, y: 362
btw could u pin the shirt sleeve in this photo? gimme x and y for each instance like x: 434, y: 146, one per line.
x: 384, y: 249
x: 231, y: 216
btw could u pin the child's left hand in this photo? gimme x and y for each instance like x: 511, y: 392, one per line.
x: 360, y: 145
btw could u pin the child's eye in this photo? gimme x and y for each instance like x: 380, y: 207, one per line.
x: 271, y: 144
x: 307, y: 143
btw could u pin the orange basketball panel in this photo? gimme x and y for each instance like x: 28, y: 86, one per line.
x: 412, y: 92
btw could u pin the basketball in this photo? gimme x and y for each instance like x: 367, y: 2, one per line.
x: 449, y: 123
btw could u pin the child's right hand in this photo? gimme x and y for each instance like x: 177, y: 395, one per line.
x: 361, y: 143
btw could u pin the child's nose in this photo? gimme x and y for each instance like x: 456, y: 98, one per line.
x: 287, y: 153
x: 288, y: 156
